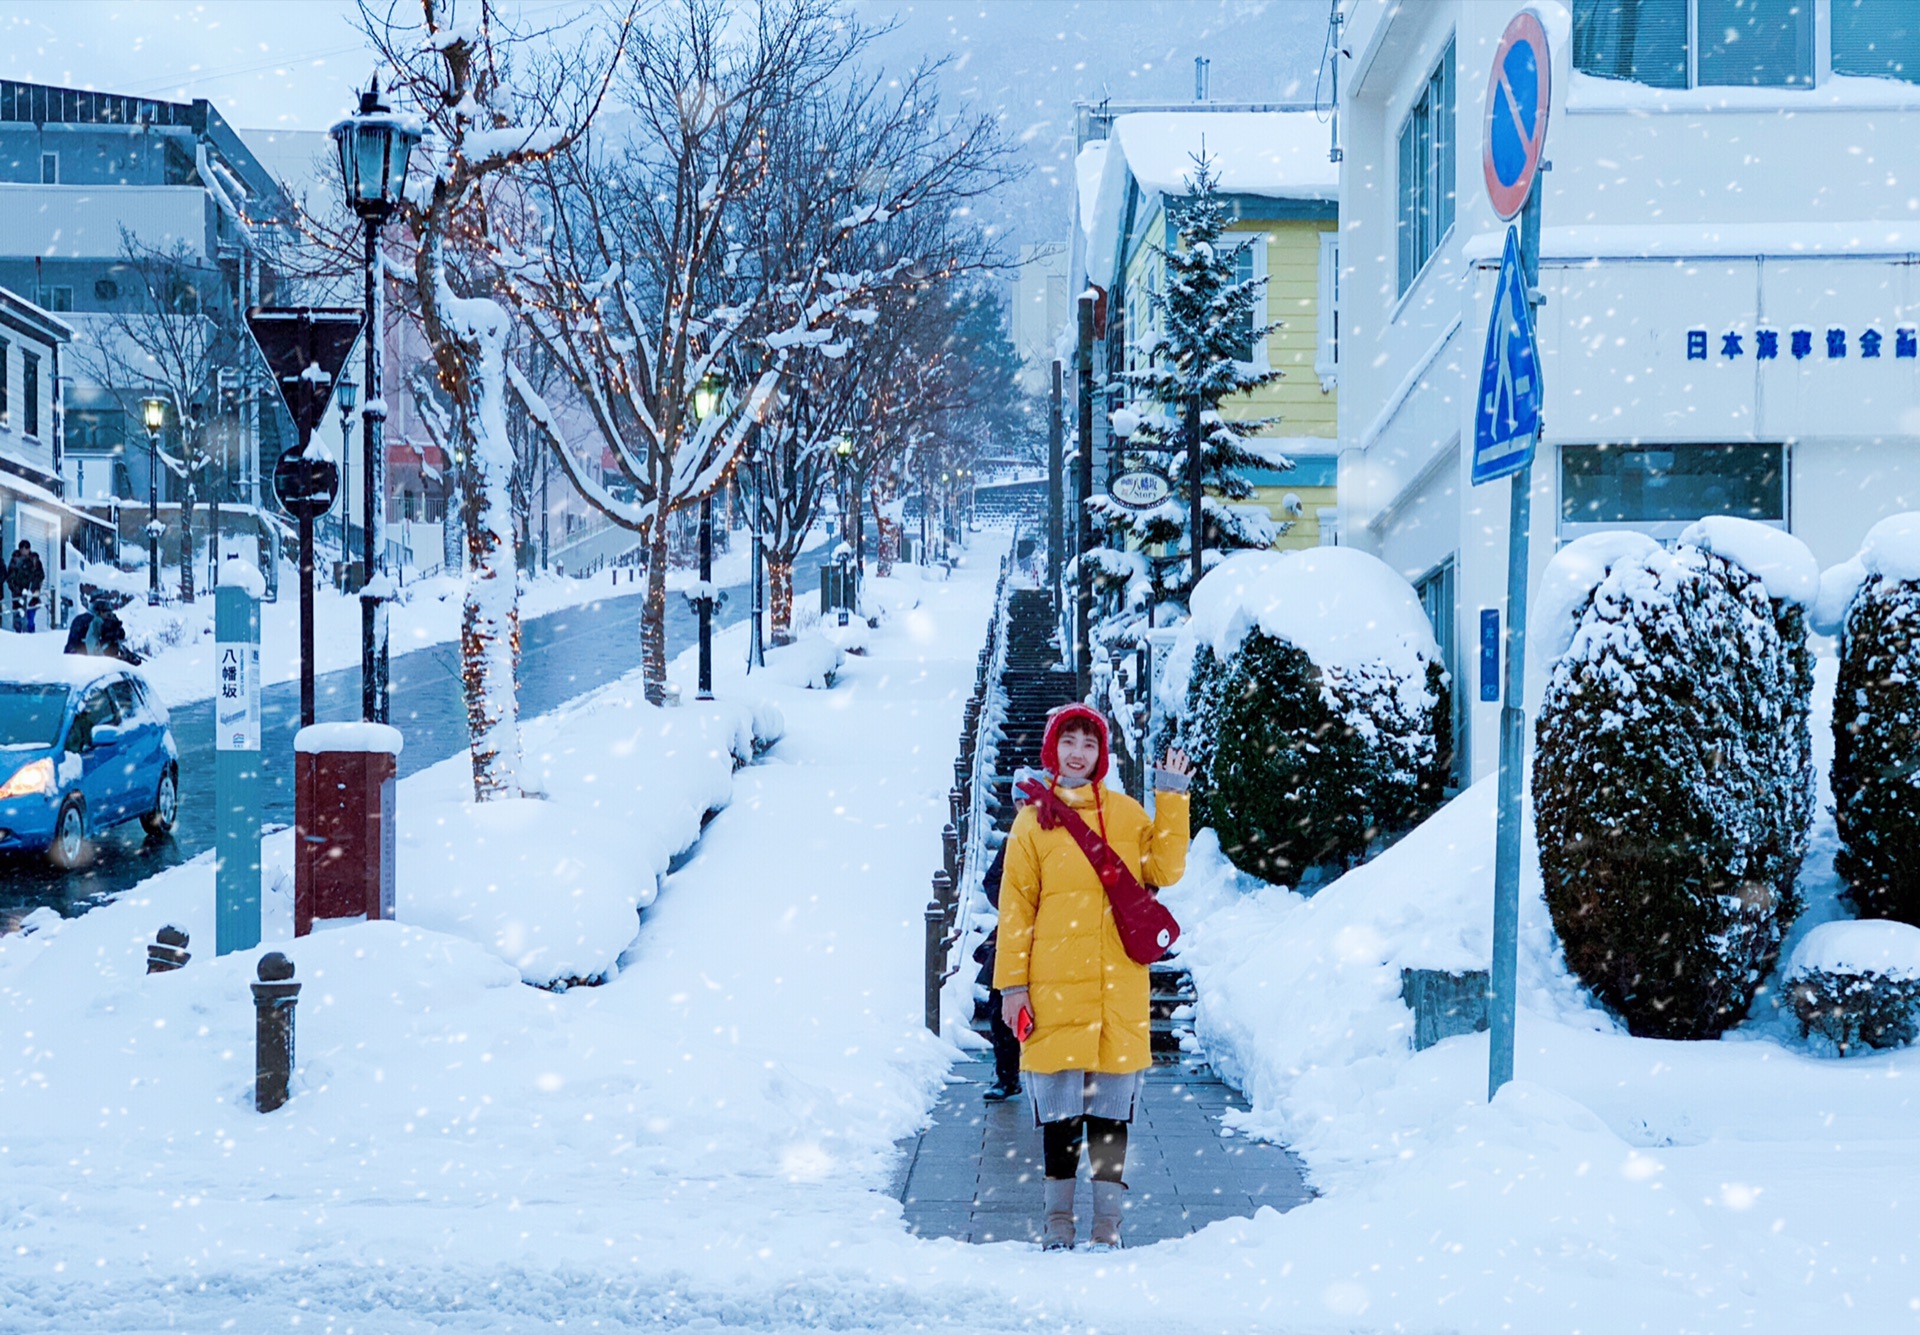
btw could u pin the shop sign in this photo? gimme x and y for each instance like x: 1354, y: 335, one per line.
x: 1140, y: 488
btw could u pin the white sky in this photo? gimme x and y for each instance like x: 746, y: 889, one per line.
x: 298, y: 64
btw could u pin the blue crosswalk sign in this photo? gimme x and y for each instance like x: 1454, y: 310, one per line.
x: 1506, y: 417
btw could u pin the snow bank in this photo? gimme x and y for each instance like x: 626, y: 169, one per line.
x: 1772, y: 555
x: 1888, y: 948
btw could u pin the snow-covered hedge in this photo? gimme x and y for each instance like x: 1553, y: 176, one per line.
x: 1875, y: 598
x: 1673, y: 781
x: 1314, y: 708
x: 1857, y: 982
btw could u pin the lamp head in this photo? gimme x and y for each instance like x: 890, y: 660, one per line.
x: 707, y: 395
x: 153, y: 411
x: 374, y: 146
x: 843, y: 446
x: 346, y: 394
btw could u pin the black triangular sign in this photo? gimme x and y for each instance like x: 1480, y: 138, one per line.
x: 305, y: 347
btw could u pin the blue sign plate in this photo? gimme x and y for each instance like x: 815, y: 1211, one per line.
x: 1506, y: 417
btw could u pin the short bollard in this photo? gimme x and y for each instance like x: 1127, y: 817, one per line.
x: 168, y: 951
x: 950, y: 851
x: 936, y: 916
x: 274, y: 998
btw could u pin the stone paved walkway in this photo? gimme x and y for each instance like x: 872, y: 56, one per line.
x: 975, y: 1173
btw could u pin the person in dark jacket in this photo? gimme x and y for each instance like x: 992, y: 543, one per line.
x: 25, y: 577
x: 1006, y: 1047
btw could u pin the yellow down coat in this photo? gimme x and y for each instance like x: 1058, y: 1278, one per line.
x: 1058, y: 938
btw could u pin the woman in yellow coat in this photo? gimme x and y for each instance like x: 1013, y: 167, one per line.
x: 1062, y: 961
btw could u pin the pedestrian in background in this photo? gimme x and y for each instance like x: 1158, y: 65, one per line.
x: 1061, y: 959
x: 25, y: 577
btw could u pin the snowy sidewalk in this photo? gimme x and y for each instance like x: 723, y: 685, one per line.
x: 974, y: 1175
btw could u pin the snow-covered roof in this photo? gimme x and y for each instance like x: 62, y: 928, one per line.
x: 1276, y: 154
x: 1102, y: 176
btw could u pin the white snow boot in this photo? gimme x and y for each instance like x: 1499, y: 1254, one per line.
x: 1107, y: 1198
x: 1058, y: 1194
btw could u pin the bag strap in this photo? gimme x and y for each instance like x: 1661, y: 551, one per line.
x: 1107, y: 864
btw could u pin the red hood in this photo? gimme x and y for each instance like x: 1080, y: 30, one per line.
x: 1075, y: 713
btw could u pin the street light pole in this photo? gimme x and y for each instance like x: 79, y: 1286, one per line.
x: 153, y: 413
x: 1196, y: 515
x: 345, y: 394
x: 706, y: 398
x: 374, y: 146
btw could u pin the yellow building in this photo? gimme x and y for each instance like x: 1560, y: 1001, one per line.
x: 1281, y: 191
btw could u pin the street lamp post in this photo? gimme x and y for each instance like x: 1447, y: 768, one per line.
x: 706, y: 401
x: 153, y: 412
x: 374, y: 145
x: 843, y: 465
x: 345, y: 395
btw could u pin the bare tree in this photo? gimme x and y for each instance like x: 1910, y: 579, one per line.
x: 170, y: 336
x: 494, y: 99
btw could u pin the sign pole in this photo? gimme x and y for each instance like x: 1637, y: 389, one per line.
x: 236, y: 773
x: 1507, y: 432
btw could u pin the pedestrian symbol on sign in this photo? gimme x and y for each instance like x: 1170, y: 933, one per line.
x: 1507, y: 416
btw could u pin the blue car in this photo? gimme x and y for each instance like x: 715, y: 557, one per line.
x: 83, y: 747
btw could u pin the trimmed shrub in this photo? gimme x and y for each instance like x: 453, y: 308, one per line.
x: 1857, y: 982
x: 1672, y: 786
x: 1876, y: 751
x: 1848, y: 1009
x: 1302, y: 766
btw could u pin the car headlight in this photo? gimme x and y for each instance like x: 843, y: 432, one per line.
x: 33, y: 777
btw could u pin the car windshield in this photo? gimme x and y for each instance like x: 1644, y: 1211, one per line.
x: 30, y: 714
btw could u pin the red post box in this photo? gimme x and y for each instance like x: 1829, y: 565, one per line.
x: 343, y: 821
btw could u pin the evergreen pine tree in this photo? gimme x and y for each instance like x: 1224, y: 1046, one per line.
x: 1200, y: 338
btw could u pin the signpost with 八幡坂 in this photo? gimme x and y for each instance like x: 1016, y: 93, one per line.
x: 1507, y: 423
x: 236, y: 750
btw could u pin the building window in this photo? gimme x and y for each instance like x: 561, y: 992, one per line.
x: 1326, y: 357
x: 1877, y: 38
x: 1710, y: 43
x: 1250, y: 265
x: 1426, y: 171
x: 30, y: 393
x: 1666, y: 487
x: 49, y: 169
x: 55, y: 298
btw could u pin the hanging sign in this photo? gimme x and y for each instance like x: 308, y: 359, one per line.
x: 1140, y: 488
x: 1517, y: 100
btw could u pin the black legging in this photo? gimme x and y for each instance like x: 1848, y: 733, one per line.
x: 1106, y: 1147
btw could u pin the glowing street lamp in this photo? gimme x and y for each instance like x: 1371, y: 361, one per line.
x: 153, y: 412
x: 375, y: 144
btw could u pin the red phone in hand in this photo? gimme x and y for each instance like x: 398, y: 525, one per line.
x: 1023, y: 1025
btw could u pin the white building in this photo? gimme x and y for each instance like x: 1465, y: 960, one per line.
x: 1730, y: 256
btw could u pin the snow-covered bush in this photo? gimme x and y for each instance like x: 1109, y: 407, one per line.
x: 1313, y: 709
x: 1876, y: 720
x: 1672, y: 780
x: 1857, y: 982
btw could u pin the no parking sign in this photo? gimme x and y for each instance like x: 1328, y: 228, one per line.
x: 1518, y: 95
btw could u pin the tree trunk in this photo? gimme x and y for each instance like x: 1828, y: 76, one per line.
x: 887, y: 545
x: 653, y: 614
x: 490, y: 615
x: 186, y: 544
x: 780, y: 598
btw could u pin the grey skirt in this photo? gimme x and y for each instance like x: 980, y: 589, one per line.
x: 1060, y: 1095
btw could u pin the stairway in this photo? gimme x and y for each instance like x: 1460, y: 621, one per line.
x: 1036, y: 682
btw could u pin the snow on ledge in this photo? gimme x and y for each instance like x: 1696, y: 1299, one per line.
x: 1692, y: 241
x: 1888, y: 948
x: 1891, y: 550
x: 367, y: 738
